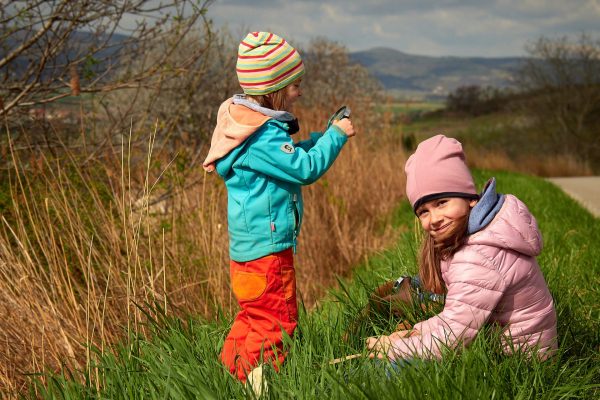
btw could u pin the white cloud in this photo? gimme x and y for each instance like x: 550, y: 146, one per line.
x: 431, y: 27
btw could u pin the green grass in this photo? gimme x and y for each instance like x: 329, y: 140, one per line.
x: 483, y: 130
x: 179, y: 360
x: 407, y: 107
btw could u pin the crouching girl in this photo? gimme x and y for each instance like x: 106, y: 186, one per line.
x: 480, y: 252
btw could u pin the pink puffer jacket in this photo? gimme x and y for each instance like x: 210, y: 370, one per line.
x: 494, y: 278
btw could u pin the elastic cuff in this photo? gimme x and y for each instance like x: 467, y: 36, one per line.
x: 338, y: 130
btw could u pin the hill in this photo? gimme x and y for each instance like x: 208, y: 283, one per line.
x: 98, y: 51
x: 430, y: 77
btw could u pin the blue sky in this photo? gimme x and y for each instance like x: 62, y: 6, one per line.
x: 489, y: 28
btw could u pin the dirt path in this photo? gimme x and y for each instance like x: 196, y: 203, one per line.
x: 586, y: 190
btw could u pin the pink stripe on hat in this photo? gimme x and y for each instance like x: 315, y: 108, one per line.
x: 436, y: 169
x: 275, y: 79
x: 267, y: 63
x: 269, y: 67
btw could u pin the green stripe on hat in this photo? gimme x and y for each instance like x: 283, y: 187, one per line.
x: 263, y: 64
x: 260, y: 90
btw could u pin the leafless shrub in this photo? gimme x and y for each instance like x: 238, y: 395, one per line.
x: 332, y: 80
x: 82, y: 244
x: 562, y: 80
x: 54, y: 49
x: 476, y: 100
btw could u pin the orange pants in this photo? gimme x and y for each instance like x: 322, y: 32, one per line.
x: 265, y: 289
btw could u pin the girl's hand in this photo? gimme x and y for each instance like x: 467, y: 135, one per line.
x: 404, y: 326
x: 345, y: 124
x: 381, y: 345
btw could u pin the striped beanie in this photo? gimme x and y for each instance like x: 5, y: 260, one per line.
x: 267, y: 63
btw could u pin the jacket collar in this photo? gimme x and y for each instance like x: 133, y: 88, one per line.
x: 283, y: 116
x: 487, y: 207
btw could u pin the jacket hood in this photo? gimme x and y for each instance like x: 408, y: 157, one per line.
x: 235, y: 123
x: 513, y: 228
x: 489, y: 204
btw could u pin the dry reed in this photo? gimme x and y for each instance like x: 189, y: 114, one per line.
x: 532, y: 164
x: 85, y: 250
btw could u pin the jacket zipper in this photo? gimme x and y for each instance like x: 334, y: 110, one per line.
x: 296, y: 220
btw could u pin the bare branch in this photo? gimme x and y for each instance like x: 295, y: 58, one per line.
x: 48, y: 39
x: 45, y: 27
x: 562, y: 77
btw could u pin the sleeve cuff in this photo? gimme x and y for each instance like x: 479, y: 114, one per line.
x: 339, y: 131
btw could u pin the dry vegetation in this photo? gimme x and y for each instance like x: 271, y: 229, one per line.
x: 111, y: 213
x: 92, y: 235
x: 531, y: 164
x: 82, y: 253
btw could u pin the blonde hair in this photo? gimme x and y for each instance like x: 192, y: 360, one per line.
x: 434, y: 251
x: 275, y: 101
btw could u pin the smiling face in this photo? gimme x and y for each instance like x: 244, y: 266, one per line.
x: 440, y: 217
x: 292, y: 92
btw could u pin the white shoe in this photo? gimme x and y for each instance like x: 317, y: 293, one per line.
x: 256, y: 382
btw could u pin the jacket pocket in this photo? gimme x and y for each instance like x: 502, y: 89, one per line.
x: 248, y: 286
x: 295, y: 214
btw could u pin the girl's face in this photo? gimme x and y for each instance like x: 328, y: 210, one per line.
x: 439, y: 217
x: 292, y: 93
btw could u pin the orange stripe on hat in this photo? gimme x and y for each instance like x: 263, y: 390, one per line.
x: 269, y: 67
x: 275, y: 79
x: 267, y: 63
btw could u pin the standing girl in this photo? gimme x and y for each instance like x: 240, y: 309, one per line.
x: 480, y: 252
x: 263, y: 169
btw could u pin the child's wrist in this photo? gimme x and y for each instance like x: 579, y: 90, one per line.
x: 338, y: 130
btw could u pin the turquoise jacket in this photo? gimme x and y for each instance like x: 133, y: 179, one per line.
x: 264, y: 176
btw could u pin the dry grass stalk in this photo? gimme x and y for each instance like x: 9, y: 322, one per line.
x: 78, y: 255
x: 540, y: 165
x: 82, y: 249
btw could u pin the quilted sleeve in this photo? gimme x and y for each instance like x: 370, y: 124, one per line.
x: 474, y: 290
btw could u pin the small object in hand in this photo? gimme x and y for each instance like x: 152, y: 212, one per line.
x: 393, y: 297
x: 343, y: 112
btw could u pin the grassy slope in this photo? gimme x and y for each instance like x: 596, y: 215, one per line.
x: 180, y: 360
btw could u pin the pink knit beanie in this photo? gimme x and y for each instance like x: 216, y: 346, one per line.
x: 437, y: 169
x: 267, y: 63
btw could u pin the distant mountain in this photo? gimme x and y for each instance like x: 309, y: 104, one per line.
x: 102, y: 50
x: 417, y: 76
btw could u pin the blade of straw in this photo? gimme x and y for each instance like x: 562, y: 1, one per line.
x: 350, y: 357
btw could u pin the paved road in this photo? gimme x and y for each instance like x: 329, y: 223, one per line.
x: 586, y: 190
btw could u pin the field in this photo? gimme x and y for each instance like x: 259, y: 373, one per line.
x: 504, y: 140
x: 114, y: 254
x: 179, y: 357
x: 409, y: 106
x: 123, y: 250
x: 91, y: 240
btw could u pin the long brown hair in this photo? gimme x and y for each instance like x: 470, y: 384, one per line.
x: 434, y: 251
x: 275, y: 101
